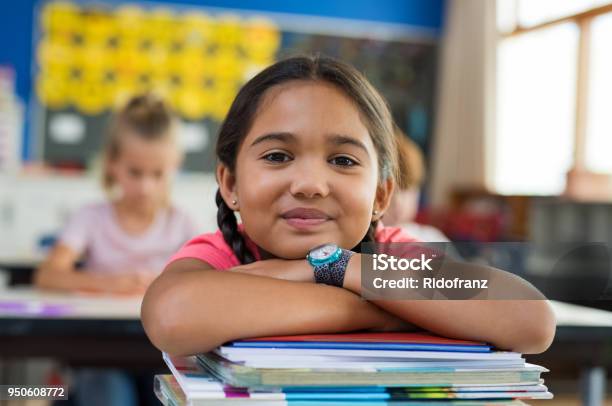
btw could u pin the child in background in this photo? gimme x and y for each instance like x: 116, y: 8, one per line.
x: 307, y: 156
x: 405, y: 200
x: 126, y: 240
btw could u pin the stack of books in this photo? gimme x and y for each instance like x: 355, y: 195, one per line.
x: 344, y: 369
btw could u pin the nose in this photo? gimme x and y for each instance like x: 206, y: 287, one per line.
x: 147, y: 186
x: 310, y: 180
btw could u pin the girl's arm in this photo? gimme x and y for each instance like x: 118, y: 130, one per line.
x: 503, y: 319
x: 57, y: 272
x: 526, y: 326
x: 193, y: 308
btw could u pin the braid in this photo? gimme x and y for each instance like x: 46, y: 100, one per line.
x: 226, y: 220
x: 369, y: 237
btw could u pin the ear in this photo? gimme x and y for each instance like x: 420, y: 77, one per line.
x: 227, y: 186
x: 384, y: 192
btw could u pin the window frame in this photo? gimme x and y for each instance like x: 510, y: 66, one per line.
x: 579, y: 174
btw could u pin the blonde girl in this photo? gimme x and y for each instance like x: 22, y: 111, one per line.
x: 125, y: 240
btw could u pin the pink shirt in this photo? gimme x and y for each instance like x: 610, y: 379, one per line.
x: 94, y: 231
x: 212, y: 248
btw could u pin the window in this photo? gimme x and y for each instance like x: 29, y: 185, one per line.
x: 531, y: 13
x: 554, y: 92
x: 599, y: 125
x: 531, y: 125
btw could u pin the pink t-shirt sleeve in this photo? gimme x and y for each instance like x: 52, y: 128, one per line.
x: 210, y: 248
x: 76, y: 232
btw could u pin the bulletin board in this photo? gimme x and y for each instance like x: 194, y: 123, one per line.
x: 91, y: 58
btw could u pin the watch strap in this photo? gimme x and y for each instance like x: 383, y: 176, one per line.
x: 333, y: 272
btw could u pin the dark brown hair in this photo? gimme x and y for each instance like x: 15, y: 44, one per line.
x: 146, y: 116
x: 372, y: 107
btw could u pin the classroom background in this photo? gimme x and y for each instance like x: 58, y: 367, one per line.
x: 508, y: 100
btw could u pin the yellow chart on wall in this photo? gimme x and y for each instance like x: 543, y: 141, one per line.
x: 95, y: 58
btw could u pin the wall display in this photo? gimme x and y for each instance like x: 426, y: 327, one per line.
x: 90, y: 58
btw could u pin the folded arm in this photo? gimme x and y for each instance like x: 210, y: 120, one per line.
x: 192, y: 308
x: 510, y: 313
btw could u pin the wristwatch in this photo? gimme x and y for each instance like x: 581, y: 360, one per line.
x: 329, y: 263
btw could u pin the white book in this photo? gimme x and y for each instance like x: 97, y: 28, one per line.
x: 374, y: 365
x: 197, y: 381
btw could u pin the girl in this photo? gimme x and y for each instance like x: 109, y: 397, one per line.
x: 307, y: 157
x: 127, y: 239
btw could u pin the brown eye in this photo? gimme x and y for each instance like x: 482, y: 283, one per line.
x: 277, y: 157
x: 136, y: 173
x: 343, y: 161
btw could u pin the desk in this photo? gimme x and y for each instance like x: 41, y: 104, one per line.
x: 105, y: 330
x: 77, y: 329
x: 583, y: 338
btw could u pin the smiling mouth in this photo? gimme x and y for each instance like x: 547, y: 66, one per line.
x: 305, y: 223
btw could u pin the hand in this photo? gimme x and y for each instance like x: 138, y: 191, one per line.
x: 297, y: 270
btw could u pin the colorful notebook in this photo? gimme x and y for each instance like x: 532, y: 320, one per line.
x: 347, y: 369
x: 366, y: 341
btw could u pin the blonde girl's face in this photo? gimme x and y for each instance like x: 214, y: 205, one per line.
x: 306, y: 172
x: 143, y: 170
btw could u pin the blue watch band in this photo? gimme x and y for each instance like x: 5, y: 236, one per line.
x: 332, y: 273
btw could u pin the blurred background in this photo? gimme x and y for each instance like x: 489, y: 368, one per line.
x: 508, y: 101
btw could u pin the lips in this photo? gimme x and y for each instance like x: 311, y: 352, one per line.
x: 305, y: 213
x: 303, y: 218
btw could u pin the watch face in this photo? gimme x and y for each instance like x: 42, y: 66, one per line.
x: 324, y: 251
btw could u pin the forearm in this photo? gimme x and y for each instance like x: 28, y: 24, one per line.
x: 186, y: 312
x: 67, y: 280
x: 526, y: 326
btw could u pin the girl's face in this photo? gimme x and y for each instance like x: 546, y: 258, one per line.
x: 143, y: 170
x: 306, y: 172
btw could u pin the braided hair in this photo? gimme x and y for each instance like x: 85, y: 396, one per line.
x: 229, y: 228
x: 373, y: 108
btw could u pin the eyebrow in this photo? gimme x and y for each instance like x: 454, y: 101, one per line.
x: 339, y: 139
x: 336, y: 139
x: 283, y: 137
